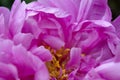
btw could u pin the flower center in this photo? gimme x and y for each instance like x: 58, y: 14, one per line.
x: 56, y: 66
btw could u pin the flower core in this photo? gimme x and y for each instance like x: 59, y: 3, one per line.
x: 56, y: 66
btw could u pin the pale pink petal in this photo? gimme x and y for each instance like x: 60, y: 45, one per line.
x: 8, y: 72
x: 94, y: 10
x: 24, y: 39
x: 74, y: 58
x: 109, y: 71
x: 116, y: 23
x: 16, y: 18
x: 31, y: 26
x: 35, y: 8
x: 54, y: 42
x: 2, y: 24
x: 6, y: 14
x: 93, y: 75
x: 42, y: 53
x: 67, y: 5
x: 27, y: 64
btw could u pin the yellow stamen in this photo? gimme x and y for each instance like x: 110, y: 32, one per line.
x: 56, y: 67
x: 82, y: 55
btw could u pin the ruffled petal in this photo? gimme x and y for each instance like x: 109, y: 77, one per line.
x: 67, y: 5
x: 94, y: 10
x: 35, y: 8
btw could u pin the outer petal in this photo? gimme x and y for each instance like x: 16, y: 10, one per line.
x: 4, y: 18
x: 8, y: 72
x: 5, y: 50
x: 93, y: 75
x: 95, y: 23
x: 6, y: 14
x: 16, y: 18
x: 66, y: 5
x: 2, y: 25
x: 35, y: 8
x: 90, y: 33
x: 109, y: 71
x: 28, y: 65
x: 94, y: 9
x: 116, y: 23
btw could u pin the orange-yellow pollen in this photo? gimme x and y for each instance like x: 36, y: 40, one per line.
x: 56, y: 66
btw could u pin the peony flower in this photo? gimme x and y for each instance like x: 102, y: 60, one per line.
x: 57, y: 40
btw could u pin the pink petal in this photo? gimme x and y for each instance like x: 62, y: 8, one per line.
x: 54, y: 42
x: 66, y: 5
x: 24, y: 39
x: 16, y: 18
x: 31, y: 26
x: 74, y: 58
x: 94, y: 9
x: 2, y: 24
x: 27, y: 63
x: 109, y: 71
x: 42, y: 53
x: 116, y: 23
x: 6, y: 14
x: 35, y: 8
x: 93, y: 75
x: 8, y: 72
